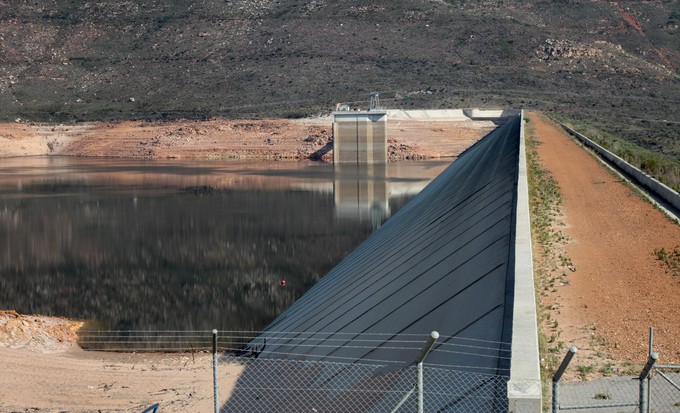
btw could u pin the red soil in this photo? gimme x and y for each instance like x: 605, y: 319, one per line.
x: 619, y: 288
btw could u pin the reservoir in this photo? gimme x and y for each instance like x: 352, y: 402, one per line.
x: 184, y: 245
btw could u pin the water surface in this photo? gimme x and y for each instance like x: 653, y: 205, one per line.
x: 183, y: 244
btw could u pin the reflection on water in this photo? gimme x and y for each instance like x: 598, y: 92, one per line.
x: 183, y: 245
x: 360, y: 198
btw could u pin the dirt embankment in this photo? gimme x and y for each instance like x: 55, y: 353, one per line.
x: 44, y: 370
x: 37, y: 333
x: 610, y: 286
x: 273, y: 139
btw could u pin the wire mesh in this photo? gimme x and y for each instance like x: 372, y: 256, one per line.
x: 284, y: 385
x: 162, y: 340
x: 665, y: 389
x: 458, y: 353
x: 608, y: 395
x: 303, y: 371
x: 457, y: 391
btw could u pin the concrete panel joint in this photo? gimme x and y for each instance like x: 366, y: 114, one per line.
x: 524, y: 396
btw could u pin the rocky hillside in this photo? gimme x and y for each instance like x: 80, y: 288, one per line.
x: 613, y: 64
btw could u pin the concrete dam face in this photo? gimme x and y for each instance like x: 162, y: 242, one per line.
x: 444, y: 262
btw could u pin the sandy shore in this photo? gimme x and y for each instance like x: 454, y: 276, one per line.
x: 44, y: 370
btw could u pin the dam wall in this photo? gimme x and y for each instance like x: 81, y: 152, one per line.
x: 448, y: 115
x: 453, y: 115
x: 457, y: 260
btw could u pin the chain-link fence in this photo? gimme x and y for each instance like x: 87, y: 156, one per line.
x: 608, y: 395
x: 271, y: 385
x: 367, y: 372
x: 249, y: 378
x: 664, y: 389
x: 655, y: 389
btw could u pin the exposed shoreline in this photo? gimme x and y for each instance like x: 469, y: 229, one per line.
x: 273, y: 139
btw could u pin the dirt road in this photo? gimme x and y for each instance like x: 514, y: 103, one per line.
x: 619, y: 288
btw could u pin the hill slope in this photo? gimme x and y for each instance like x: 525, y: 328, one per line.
x: 589, y: 59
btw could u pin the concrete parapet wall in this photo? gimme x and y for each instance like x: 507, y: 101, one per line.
x: 524, y: 386
x: 491, y: 114
x: 449, y: 115
x: 662, y: 191
x: 453, y: 115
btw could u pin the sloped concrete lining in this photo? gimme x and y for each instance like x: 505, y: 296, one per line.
x: 455, y: 234
x: 445, y: 262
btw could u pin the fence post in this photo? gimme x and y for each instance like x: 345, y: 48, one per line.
x: 419, y: 366
x: 215, y: 386
x: 649, y: 381
x: 558, y: 375
x: 419, y: 380
x: 646, y: 371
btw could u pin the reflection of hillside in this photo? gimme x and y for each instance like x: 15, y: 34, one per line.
x: 117, y: 241
x: 188, y: 260
x: 216, y: 174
